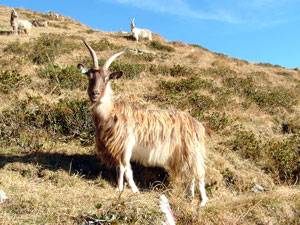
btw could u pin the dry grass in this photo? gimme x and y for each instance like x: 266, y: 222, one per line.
x: 47, y: 163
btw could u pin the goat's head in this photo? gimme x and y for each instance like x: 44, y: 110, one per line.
x: 14, y: 14
x: 99, y: 77
x: 132, y: 24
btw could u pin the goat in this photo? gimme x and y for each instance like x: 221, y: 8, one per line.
x: 40, y: 23
x: 18, y: 24
x: 137, y: 32
x: 53, y: 14
x: 165, y: 138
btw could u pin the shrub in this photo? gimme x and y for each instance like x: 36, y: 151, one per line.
x: 65, y: 120
x: 157, y: 45
x: 219, y: 72
x: 285, y: 158
x: 159, y: 69
x: 266, y: 98
x: 284, y: 73
x: 63, y: 78
x: 17, y: 48
x: 179, y: 71
x: 12, y: 80
x: 48, y: 47
x: 246, y: 143
x: 103, y: 45
x: 130, y: 70
x: 281, y: 158
x: 45, y: 49
x: 217, y: 121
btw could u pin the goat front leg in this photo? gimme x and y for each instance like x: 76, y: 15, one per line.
x: 121, y: 177
x: 128, y: 170
x: 201, y: 184
x: 129, y: 178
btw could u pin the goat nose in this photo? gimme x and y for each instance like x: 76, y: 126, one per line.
x: 95, y: 92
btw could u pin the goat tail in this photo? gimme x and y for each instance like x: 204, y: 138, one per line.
x: 208, y: 131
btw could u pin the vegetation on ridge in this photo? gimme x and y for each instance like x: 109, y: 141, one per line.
x: 48, y: 167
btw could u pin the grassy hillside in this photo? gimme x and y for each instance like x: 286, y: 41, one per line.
x: 48, y: 168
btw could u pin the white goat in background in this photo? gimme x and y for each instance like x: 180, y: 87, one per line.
x: 139, y: 33
x: 18, y: 24
x: 165, y: 138
x: 53, y: 14
x: 40, y: 23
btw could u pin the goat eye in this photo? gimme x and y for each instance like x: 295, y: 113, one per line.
x: 89, y: 75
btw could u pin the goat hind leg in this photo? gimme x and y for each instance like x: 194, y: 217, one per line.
x: 191, y: 188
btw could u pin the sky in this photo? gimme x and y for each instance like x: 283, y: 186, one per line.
x: 262, y: 31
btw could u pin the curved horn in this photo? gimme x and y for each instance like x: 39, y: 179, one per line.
x: 112, y: 58
x: 93, y: 54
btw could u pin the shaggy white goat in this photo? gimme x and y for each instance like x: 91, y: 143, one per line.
x: 140, y: 33
x: 40, y: 23
x: 165, y: 138
x: 53, y: 14
x: 18, y: 24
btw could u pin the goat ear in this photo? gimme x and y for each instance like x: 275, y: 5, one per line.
x: 81, y: 68
x: 116, y: 75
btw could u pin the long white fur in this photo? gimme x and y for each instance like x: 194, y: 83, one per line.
x: 170, y: 139
x: 156, y: 154
x: 140, y: 33
x: 18, y: 24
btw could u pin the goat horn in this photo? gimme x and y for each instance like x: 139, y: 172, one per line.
x: 93, y: 54
x: 112, y: 58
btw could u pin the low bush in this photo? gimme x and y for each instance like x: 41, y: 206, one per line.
x: 12, y: 80
x: 104, y: 44
x: 62, y: 78
x: 264, y: 97
x: 131, y: 70
x: 279, y: 157
x: 144, y: 57
x: 62, y: 121
x: 44, y: 49
x: 159, y: 46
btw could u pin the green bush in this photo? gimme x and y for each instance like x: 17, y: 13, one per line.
x: 159, y: 69
x: 218, y: 72
x: 62, y: 78
x: 264, y: 97
x: 180, y: 71
x: 63, y: 121
x: 44, y: 49
x: 131, y: 70
x: 158, y: 46
x: 48, y: 47
x: 144, y: 57
x: 279, y: 157
x: 12, y: 80
x: 17, y: 48
x: 103, y: 45
x: 285, y: 160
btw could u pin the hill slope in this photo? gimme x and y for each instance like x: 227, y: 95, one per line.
x: 47, y: 163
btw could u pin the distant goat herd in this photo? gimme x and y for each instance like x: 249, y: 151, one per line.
x: 170, y: 139
x: 24, y: 25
